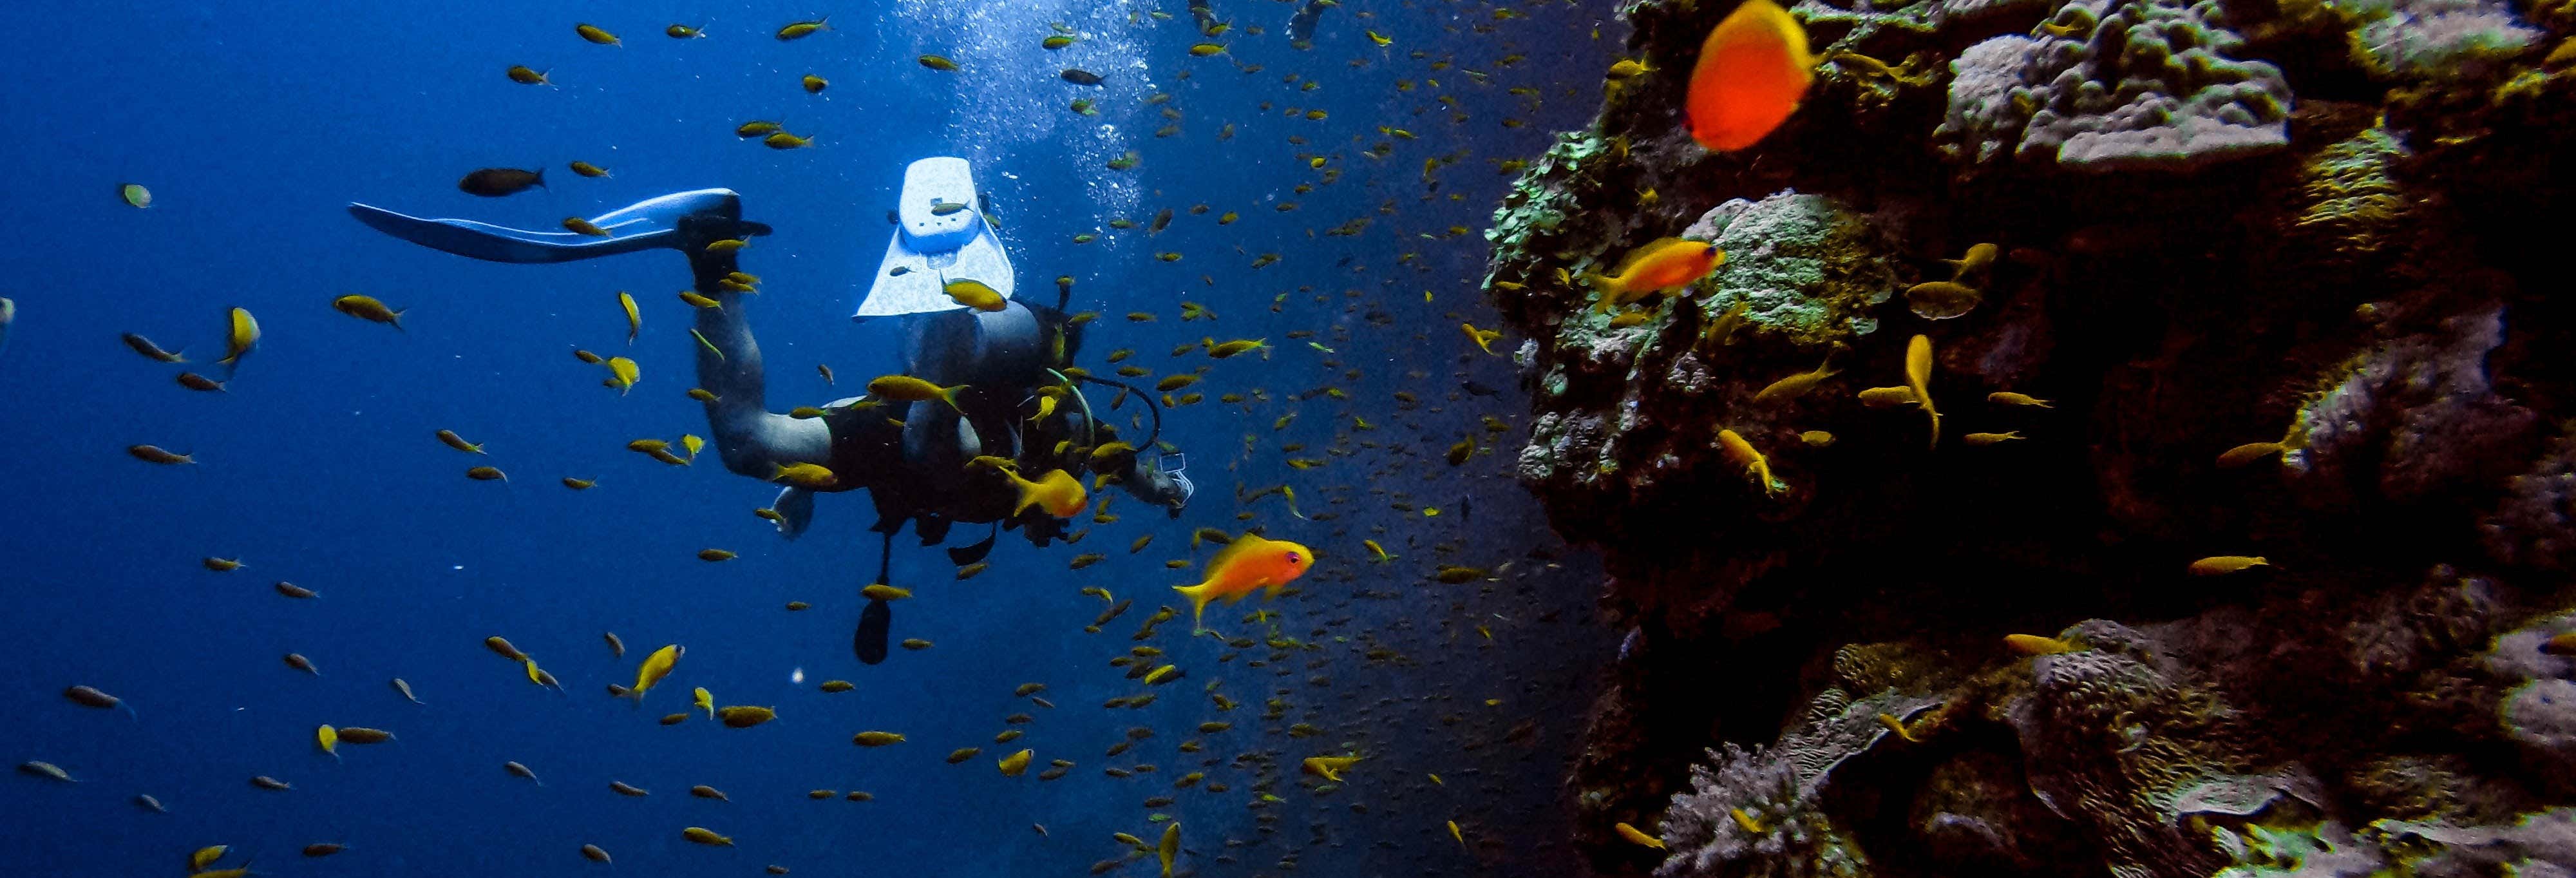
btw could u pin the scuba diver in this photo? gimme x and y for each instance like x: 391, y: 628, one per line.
x: 1015, y: 406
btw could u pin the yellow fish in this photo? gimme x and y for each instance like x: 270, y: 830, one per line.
x: 1057, y: 492
x: 1251, y: 563
x: 328, y: 739
x: 1015, y: 763
x: 2217, y: 565
x: 1328, y: 767
x: 1169, y: 848
x: 1918, y: 378
x: 1755, y: 465
x: 367, y: 308
x: 655, y: 667
x: 243, y: 337
x: 704, y: 701
x: 905, y: 388
x: 1484, y: 338
x: 1632, y: 834
x: 805, y: 475
x: 634, y: 319
x: 975, y: 294
x: 622, y: 374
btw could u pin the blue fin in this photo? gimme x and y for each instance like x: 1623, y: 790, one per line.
x: 680, y: 221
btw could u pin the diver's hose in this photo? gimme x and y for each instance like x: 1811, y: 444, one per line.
x: 1140, y: 394
x: 1090, y: 436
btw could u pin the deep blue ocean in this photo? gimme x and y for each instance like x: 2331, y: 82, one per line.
x: 253, y: 126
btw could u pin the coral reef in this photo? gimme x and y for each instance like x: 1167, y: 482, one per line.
x: 2215, y: 319
x: 2116, y: 85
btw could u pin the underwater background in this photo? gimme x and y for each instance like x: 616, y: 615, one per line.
x: 1936, y: 438
x: 316, y: 465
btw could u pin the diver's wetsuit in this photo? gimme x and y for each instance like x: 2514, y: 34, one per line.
x: 934, y: 488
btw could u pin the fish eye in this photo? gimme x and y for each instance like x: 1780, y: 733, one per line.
x: 1293, y: 558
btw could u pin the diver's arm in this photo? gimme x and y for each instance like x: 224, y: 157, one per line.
x: 752, y: 440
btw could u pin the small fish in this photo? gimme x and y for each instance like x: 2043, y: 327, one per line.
x: 367, y: 308
x: 879, y: 591
x: 135, y: 195
x: 876, y: 739
x: 1794, y: 386
x: 523, y: 75
x: 299, y: 662
x: 1941, y: 299
x: 501, y: 182
x: 2219, y: 565
x: 48, y: 771
x: 1743, y: 820
x: 655, y: 667
x: 298, y: 592
x: 905, y: 388
x: 975, y: 294
x: 784, y: 140
x: 328, y: 739
x: 1630, y: 832
x: 626, y: 789
x: 2006, y: 397
x: 223, y: 565
x: 145, y: 347
x: 487, y: 474
x: 1484, y: 338
x: 2249, y: 453
x: 707, y: 792
x: 804, y: 475
x: 1663, y: 265
x: 802, y: 29
x: 587, y: 169
x: 1169, y: 848
x: 517, y: 770
x: 404, y: 688
x: 815, y: 85
x: 269, y: 783
x: 1079, y: 76
x: 1753, y: 69
x: 1755, y: 465
x: 580, y: 226
x: 1918, y: 367
x: 715, y: 555
x: 939, y: 63
x: 1991, y: 438
x: 702, y: 835
x: 1893, y: 724
x: 591, y: 33
x: 194, y: 381
x: 593, y: 852
x: 146, y: 802
x: 89, y: 696
x: 1016, y: 763
x: 1817, y: 439
x: 622, y: 374
x: 2033, y: 644
x: 579, y: 484
x: 240, y: 337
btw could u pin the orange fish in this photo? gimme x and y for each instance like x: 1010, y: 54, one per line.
x: 1247, y: 565
x: 1751, y: 73
x: 1664, y: 265
x: 1057, y: 492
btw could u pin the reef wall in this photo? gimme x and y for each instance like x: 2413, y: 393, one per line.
x: 2340, y: 227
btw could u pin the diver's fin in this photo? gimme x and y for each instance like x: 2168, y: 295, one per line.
x: 964, y: 555
x: 674, y: 221
x: 869, y: 641
x: 795, y: 508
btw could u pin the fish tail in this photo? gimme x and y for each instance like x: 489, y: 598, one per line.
x: 950, y: 395
x: 1198, y: 596
x: 1936, y: 423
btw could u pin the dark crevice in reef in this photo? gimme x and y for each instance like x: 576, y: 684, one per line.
x: 2338, y: 227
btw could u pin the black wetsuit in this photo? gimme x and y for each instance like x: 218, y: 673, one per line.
x: 868, y: 452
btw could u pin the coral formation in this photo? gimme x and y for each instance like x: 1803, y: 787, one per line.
x: 2117, y: 84
x: 2177, y: 268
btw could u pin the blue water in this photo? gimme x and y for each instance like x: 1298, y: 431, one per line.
x: 254, y: 126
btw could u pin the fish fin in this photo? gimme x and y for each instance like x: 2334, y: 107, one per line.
x: 1198, y: 597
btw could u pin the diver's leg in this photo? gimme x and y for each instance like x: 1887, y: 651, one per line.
x: 752, y: 440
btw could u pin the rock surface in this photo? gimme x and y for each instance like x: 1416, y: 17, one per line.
x: 2335, y: 227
